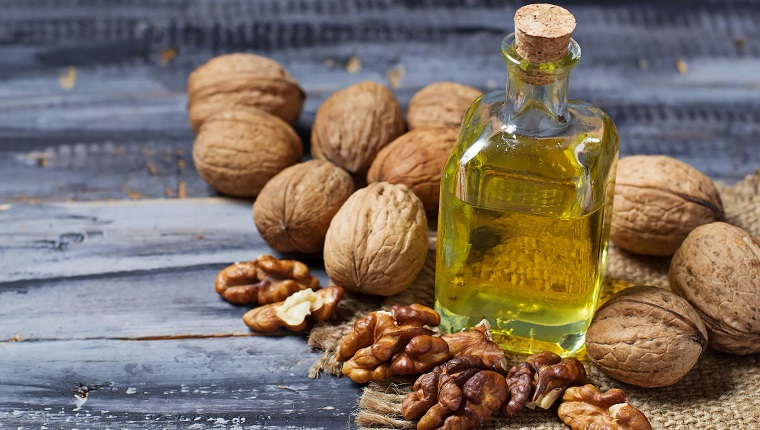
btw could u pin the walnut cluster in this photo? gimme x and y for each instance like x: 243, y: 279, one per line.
x: 398, y: 342
x: 285, y: 289
x: 459, y: 394
x: 464, y: 392
x: 385, y: 344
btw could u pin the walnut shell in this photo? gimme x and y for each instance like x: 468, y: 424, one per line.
x: 353, y: 124
x: 416, y: 159
x: 236, y: 81
x: 646, y: 336
x: 294, y: 208
x: 377, y: 242
x: 717, y: 269
x: 658, y: 201
x: 238, y: 151
x: 441, y: 104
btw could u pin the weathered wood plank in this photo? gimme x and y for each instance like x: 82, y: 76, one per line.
x: 115, y: 132
x: 61, y: 240
x: 256, y: 383
x: 151, y: 304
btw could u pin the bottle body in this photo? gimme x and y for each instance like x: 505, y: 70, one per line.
x: 524, y: 223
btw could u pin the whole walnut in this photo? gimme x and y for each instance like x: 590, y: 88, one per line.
x: 237, y: 81
x: 646, y: 336
x: 238, y: 151
x: 441, y: 104
x: 717, y: 269
x: 658, y: 201
x: 353, y: 124
x: 294, y: 208
x: 377, y: 242
x: 416, y: 159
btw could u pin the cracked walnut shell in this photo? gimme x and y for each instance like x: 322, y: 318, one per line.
x: 294, y: 209
x: 238, y: 151
x: 441, y: 104
x: 292, y: 313
x: 416, y: 159
x: 242, y: 81
x: 586, y: 408
x: 658, y: 201
x: 717, y: 269
x: 353, y: 124
x: 377, y: 243
x: 646, y: 336
x: 263, y: 280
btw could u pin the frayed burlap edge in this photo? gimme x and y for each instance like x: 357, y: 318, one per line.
x: 721, y: 392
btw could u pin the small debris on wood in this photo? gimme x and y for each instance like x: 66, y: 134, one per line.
x: 167, y: 55
x: 133, y: 195
x: 329, y: 62
x: 15, y: 338
x: 282, y: 387
x: 152, y: 169
x: 181, y: 190
x: 5, y: 207
x: 740, y: 43
x: 168, y: 192
x: 181, y: 163
x: 42, y: 162
x: 200, y: 237
x: 682, y: 67
x: 395, y: 75
x: 68, y: 79
x: 354, y: 64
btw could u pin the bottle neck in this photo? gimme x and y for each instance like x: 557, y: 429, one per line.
x: 531, y: 99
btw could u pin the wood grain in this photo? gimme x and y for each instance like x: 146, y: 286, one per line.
x: 247, y: 382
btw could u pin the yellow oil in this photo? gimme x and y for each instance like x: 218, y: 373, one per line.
x: 522, y: 238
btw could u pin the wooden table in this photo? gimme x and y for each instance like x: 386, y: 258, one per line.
x: 109, y: 240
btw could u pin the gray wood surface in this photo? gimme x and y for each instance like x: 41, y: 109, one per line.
x: 106, y: 276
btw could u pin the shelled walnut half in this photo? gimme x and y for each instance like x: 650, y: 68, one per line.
x: 292, y: 313
x: 459, y: 394
x: 263, y: 280
x: 587, y: 408
x: 478, y: 342
x: 540, y: 381
x: 385, y: 344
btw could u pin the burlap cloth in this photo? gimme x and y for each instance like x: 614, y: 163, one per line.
x: 721, y: 392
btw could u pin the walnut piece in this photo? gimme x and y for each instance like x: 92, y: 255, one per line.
x: 353, y: 124
x: 459, y: 394
x: 242, y: 81
x: 586, y: 407
x: 440, y: 104
x: 378, y: 241
x: 385, y: 344
x: 294, y: 208
x: 717, y: 269
x: 658, y: 201
x: 416, y: 159
x: 263, y: 280
x: 478, y: 342
x: 237, y: 151
x: 540, y: 381
x: 646, y: 336
x: 292, y: 313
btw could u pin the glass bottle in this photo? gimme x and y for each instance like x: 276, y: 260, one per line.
x: 526, y: 201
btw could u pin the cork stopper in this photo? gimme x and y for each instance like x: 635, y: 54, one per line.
x: 542, y: 32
